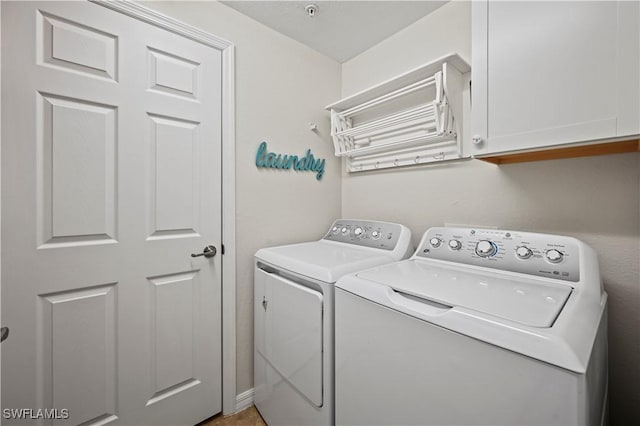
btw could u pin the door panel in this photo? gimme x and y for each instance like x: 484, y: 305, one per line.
x: 175, y: 176
x: 170, y: 73
x: 289, y: 332
x: 74, y: 46
x: 550, y: 65
x: 76, y: 166
x: 110, y: 179
x: 173, y: 341
x: 296, y: 336
x: 77, y: 342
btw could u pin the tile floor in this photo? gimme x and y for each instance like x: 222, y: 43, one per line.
x: 248, y: 417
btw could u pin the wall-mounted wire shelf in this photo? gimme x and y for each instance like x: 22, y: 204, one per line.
x: 414, y: 118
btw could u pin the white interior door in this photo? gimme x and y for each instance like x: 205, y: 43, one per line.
x: 111, y: 178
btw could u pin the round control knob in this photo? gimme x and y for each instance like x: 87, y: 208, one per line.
x: 345, y: 231
x: 358, y: 231
x: 335, y: 230
x: 375, y: 235
x: 476, y: 139
x: 486, y: 248
x: 554, y: 256
x: 455, y: 244
x: 523, y: 252
x: 435, y: 242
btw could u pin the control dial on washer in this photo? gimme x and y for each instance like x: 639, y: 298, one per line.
x: 435, y: 242
x: 523, y: 252
x: 486, y: 248
x: 345, y: 231
x: 335, y: 230
x: 455, y: 244
x: 554, y: 256
x: 358, y: 231
x: 375, y: 235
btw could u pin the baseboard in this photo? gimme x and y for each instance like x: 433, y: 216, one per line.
x: 244, y: 400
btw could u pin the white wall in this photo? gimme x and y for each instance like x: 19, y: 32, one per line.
x: 446, y: 30
x: 281, y: 86
x: 595, y: 199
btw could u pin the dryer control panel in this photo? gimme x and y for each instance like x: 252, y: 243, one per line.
x: 544, y: 255
x: 380, y: 235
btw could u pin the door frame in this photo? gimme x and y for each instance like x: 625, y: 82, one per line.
x: 228, y: 284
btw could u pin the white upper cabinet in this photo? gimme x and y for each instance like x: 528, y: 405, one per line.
x: 553, y: 73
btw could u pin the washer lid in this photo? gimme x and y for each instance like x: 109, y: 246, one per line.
x: 323, y: 260
x: 527, y: 301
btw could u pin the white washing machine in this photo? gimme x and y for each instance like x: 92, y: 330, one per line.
x: 478, y: 327
x: 293, y: 316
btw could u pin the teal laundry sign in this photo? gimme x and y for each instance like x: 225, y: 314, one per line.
x: 271, y: 160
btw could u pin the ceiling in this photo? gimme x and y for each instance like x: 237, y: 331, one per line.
x: 339, y: 29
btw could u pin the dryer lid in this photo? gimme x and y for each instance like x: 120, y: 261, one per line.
x: 325, y: 261
x: 530, y: 302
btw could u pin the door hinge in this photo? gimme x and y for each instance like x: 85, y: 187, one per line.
x: 222, y: 248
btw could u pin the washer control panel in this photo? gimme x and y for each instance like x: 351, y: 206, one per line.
x: 543, y: 255
x: 380, y: 235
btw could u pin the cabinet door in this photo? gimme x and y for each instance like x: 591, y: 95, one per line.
x: 552, y: 73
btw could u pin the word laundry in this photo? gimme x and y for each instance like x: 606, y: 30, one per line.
x: 272, y: 160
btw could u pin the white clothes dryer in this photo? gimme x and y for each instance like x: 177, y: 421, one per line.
x: 293, y: 316
x: 479, y: 327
